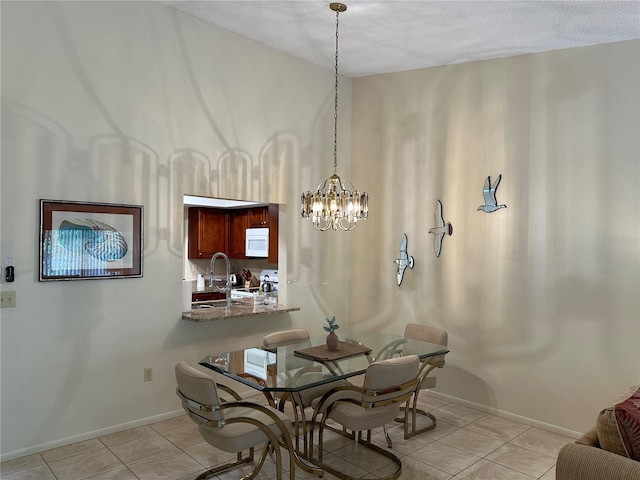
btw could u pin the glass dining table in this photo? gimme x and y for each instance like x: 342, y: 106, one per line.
x: 279, y: 370
x: 287, y: 371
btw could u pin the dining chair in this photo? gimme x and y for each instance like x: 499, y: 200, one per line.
x: 388, y: 384
x: 295, y: 367
x: 425, y: 333
x: 234, y: 426
x: 298, y: 371
x: 285, y: 337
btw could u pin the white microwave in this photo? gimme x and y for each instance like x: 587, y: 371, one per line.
x: 257, y: 242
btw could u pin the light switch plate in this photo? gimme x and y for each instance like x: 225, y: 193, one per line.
x: 7, y: 299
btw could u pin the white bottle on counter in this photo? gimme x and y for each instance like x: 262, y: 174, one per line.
x: 200, y: 284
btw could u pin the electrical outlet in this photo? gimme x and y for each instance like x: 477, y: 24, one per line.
x: 7, y: 299
x: 148, y: 374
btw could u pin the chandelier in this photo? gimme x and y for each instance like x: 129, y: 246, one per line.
x: 332, y: 205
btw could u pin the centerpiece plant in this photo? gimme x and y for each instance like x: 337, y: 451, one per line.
x: 332, y: 338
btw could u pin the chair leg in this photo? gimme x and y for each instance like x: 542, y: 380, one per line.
x: 240, y: 460
x: 300, y: 419
x: 362, y: 441
x: 287, y: 442
x: 261, y: 460
x: 386, y: 435
x: 412, y: 412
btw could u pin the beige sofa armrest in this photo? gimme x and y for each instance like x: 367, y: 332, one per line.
x: 582, y: 462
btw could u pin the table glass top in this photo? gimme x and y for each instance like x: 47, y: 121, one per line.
x: 298, y: 366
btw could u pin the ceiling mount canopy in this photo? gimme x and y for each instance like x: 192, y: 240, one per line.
x: 331, y: 205
x: 338, y: 7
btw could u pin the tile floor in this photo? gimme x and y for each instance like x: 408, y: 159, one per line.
x: 466, y: 444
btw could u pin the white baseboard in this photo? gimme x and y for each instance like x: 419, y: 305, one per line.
x: 88, y: 435
x: 511, y: 416
x: 165, y: 416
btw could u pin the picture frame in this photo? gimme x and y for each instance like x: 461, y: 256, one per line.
x: 89, y: 241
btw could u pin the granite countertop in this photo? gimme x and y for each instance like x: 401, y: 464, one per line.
x: 241, y: 307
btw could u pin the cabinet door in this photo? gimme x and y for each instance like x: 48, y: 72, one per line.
x: 258, y: 217
x: 272, y: 216
x: 239, y: 221
x: 208, y: 232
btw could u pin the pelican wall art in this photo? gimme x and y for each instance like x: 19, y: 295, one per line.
x: 405, y: 259
x: 489, y: 194
x: 440, y: 230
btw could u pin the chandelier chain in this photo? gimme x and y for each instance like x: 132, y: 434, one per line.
x: 335, y: 114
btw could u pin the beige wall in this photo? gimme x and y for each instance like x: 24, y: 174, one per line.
x: 541, y: 299
x: 136, y: 103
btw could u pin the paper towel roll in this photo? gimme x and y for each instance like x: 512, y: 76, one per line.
x: 187, y: 287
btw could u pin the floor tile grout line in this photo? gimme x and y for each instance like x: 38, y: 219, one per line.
x: 49, y: 467
x: 402, y: 455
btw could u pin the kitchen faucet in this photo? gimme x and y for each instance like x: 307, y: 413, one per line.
x: 227, y: 287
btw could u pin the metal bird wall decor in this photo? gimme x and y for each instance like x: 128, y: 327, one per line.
x: 405, y: 259
x: 441, y: 229
x: 489, y: 193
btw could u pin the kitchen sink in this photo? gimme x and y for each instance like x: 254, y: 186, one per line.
x: 215, y: 304
x: 244, y: 292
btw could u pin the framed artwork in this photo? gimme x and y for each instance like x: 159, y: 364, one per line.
x: 86, y: 241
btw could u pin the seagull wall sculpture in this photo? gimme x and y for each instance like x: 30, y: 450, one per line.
x: 441, y: 229
x: 489, y: 193
x: 405, y: 259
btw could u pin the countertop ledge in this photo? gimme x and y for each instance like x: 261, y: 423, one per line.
x: 245, y: 309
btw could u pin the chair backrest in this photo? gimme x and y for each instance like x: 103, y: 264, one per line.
x: 285, y: 337
x: 198, y: 393
x: 393, y: 380
x: 288, y: 337
x: 427, y: 333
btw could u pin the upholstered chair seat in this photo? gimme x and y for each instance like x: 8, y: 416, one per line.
x: 234, y: 426
x: 236, y: 437
x: 388, y: 384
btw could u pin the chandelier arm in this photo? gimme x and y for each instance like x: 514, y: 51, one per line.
x: 350, y: 225
x: 349, y: 182
x: 317, y: 226
x: 321, y: 185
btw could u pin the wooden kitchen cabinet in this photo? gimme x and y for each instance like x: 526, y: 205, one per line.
x: 258, y: 217
x: 214, y: 230
x: 208, y: 232
x: 239, y: 221
x: 272, y: 223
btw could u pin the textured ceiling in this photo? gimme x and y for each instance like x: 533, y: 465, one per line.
x: 395, y: 35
